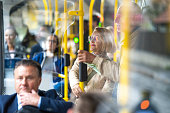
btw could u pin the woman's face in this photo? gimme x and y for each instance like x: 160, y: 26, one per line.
x: 51, y: 43
x: 9, y: 36
x: 95, y: 43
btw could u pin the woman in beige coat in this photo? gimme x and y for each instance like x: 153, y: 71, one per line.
x: 101, y: 42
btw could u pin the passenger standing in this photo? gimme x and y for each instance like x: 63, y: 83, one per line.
x: 101, y: 42
x: 25, y: 38
x: 101, y: 63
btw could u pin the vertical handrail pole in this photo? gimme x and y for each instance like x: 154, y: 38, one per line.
x: 81, y: 41
x: 50, y: 12
x: 56, y: 17
x: 91, y: 17
x: 115, y: 31
x: 65, y: 52
x: 102, y: 13
x: 1, y: 49
x: 46, y: 11
x: 124, y: 66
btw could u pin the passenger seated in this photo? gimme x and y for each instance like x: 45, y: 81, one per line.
x: 52, y: 63
x: 12, y: 50
x: 27, y: 76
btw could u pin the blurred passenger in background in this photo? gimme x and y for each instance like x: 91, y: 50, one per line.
x: 95, y: 102
x: 157, y: 16
x: 135, y: 21
x: 25, y: 38
x: 96, y: 21
x: 44, y: 32
x: 101, y: 42
x: 52, y: 63
x: 12, y: 49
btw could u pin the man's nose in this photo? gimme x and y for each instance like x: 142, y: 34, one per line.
x: 117, y: 19
x: 23, y: 82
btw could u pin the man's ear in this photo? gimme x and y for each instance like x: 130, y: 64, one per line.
x: 70, y: 110
x: 40, y: 81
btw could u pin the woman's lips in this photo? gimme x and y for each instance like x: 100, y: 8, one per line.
x: 93, y: 45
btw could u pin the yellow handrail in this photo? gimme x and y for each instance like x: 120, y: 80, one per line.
x: 56, y: 17
x: 61, y: 76
x: 50, y: 12
x: 91, y: 20
x: 46, y: 11
x: 124, y: 66
x: 115, y: 31
x: 136, y: 1
x: 65, y: 52
x: 102, y: 12
x: 80, y: 13
x: 91, y: 17
x: 81, y: 38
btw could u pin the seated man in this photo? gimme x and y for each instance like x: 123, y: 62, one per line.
x: 27, y: 75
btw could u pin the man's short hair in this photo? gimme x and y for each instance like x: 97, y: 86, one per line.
x: 27, y: 62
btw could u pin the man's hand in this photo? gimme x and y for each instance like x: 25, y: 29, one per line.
x: 29, y: 98
x: 77, y: 90
x: 85, y: 56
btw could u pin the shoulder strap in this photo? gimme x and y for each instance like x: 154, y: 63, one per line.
x: 90, y: 76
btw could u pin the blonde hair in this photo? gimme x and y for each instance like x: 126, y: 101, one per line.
x: 106, y: 34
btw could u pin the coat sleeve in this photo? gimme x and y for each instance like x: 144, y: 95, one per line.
x: 107, y: 68
x: 52, y: 103
x: 74, y: 74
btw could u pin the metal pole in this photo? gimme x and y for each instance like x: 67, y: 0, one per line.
x: 82, y: 66
x: 102, y: 12
x: 1, y: 49
x: 56, y: 17
x: 50, y: 12
x: 46, y: 11
x: 91, y: 17
x: 115, y: 32
x: 65, y: 52
x: 124, y: 64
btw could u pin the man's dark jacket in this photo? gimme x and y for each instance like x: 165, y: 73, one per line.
x: 50, y: 103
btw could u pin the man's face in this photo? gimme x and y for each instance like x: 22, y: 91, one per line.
x: 26, y: 79
x: 118, y: 20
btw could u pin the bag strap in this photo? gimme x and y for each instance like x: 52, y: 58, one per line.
x: 90, y: 76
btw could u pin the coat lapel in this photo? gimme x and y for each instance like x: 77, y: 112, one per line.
x: 13, y: 107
